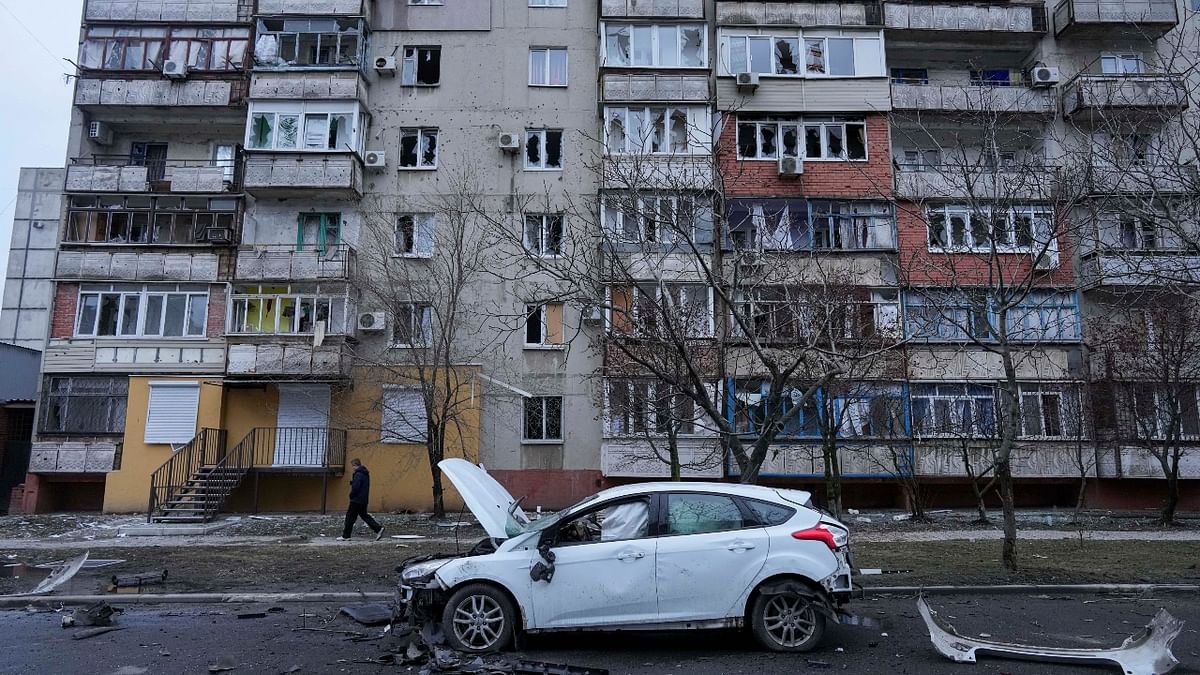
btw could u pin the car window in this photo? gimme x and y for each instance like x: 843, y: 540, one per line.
x: 699, y: 513
x: 613, y: 522
x: 769, y: 514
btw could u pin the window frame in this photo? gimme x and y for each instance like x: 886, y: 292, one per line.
x: 968, y: 392
x: 397, y: 439
x: 421, y: 134
x: 548, y: 68
x: 237, y: 318
x: 139, y: 296
x: 749, y: 518
x: 414, y: 59
x: 543, y: 133
x: 693, y: 140
x: 301, y: 111
x: 655, y: 51
x: 613, y: 217
x: 57, y: 402
x: 635, y: 294
x: 801, y: 127
x: 421, y: 312
x: 545, y: 234
x: 424, y: 226
x: 355, y: 60
x: 726, y: 38
x: 1012, y: 216
x: 544, y: 403
x: 544, y: 327
x: 105, y: 38
x: 1068, y: 416
x: 554, y: 540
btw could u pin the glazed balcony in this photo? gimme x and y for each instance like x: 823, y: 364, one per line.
x: 1015, y: 100
x: 303, y: 174
x: 119, y: 173
x: 142, y: 221
x: 1106, y: 18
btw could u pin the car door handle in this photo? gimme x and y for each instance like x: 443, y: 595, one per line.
x: 740, y: 546
x: 631, y: 555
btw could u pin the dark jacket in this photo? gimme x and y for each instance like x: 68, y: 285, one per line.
x: 360, y: 485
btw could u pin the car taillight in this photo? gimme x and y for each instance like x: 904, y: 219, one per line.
x: 817, y: 533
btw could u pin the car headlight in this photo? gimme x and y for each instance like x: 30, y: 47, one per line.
x: 422, y: 569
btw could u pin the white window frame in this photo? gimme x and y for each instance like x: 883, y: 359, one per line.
x: 801, y: 127
x: 954, y: 400
x: 541, y: 133
x: 1068, y: 414
x: 1122, y: 61
x: 635, y: 421
x: 1038, y: 215
x: 336, y: 304
x: 417, y: 312
x: 424, y: 226
x: 414, y: 59
x: 544, y: 438
x: 539, y: 248
x: 860, y: 69
x: 636, y: 293
x: 655, y: 61
x: 537, y: 312
x: 181, y: 436
x: 862, y: 51
x: 141, y: 295
x: 387, y: 416
x: 548, y: 3
x: 613, y: 217
x: 301, y: 110
x: 697, y: 135
x: 546, y: 70
x: 421, y: 134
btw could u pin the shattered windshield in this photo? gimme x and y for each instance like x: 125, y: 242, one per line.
x: 547, y: 521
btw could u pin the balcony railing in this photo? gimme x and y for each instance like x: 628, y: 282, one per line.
x: 1148, y: 18
x: 287, y: 263
x: 991, y: 20
x: 121, y: 173
x: 72, y: 457
x: 1102, y: 92
x: 973, y: 98
x: 951, y: 181
x: 296, y: 448
x: 1143, y: 177
x: 303, y: 173
x: 294, y: 359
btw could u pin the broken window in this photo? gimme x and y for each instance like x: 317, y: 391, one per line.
x: 654, y: 130
x: 543, y: 149
x: 766, y: 139
x: 1050, y: 411
x: 422, y: 67
x: 147, y: 48
x: 84, y: 405
x: 835, y: 139
x: 544, y: 324
x: 414, y: 235
x: 418, y: 148
x: 662, y: 219
x: 763, y: 54
x: 303, y: 129
x: 283, y: 310
x: 412, y: 325
x: 114, y: 219
x: 843, y: 56
x: 308, y: 42
x: 141, y: 311
x: 1015, y: 229
x: 957, y: 410
x: 851, y: 225
x: 668, y: 45
x: 544, y: 234
x: 321, y: 232
x: 543, y: 418
x: 548, y: 66
x: 613, y: 522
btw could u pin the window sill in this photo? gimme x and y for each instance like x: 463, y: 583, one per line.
x: 535, y: 441
x: 978, y: 251
x: 403, y: 346
x: 416, y: 168
x: 413, y: 256
x: 538, y: 170
x: 143, y: 338
x: 548, y: 86
x: 421, y: 86
x: 806, y: 160
x: 543, y: 348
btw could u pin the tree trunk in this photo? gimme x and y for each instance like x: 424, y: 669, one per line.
x: 673, y: 453
x: 1167, y: 515
x: 1007, y: 505
x: 1081, y: 496
x: 436, y: 454
x: 833, y: 478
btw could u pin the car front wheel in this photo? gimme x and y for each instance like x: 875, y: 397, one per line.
x: 787, y: 622
x: 478, y: 619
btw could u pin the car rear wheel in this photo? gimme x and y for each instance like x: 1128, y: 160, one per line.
x: 787, y: 622
x: 478, y: 619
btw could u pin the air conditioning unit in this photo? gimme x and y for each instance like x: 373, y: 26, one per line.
x: 385, y: 65
x: 1046, y: 260
x: 509, y: 141
x: 747, y: 81
x: 375, y: 159
x: 791, y: 166
x: 218, y: 235
x: 175, y: 70
x: 371, y: 322
x: 100, y: 133
x: 1044, y: 76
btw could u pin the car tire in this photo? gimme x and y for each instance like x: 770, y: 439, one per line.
x: 787, y: 622
x: 478, y: 619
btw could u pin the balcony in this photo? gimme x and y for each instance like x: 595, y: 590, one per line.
x: 958, y: 181
x: 654, y: 87
x: 142, y: 221
x: 638, y: 171
x: 143, y: 356
x: 118, y: 173
x: 806, y: 94
x: 1143, y: 177
x: 1147, y: 95
x: 141, y: 101
x: 73, y: 457
x: 300, y: 174
x: 310, y: 7
x: 1140, y: 268
x: 992, y: 24
x: 191, y: 11
x: 136, y: 266
x: 1144, y: 19
x: 973, y: 99
x: 285, y: 263
x: 741, y: 13
x: 299, y: 360
x: 318, y: 86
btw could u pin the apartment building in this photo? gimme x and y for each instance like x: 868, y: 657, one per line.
x: 569, y: 239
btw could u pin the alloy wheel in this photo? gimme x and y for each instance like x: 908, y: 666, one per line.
x: 478, y: 622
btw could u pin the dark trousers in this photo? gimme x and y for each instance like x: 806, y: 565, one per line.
x: 354, y: 512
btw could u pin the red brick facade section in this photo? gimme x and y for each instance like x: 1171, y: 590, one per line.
x: 920, y: 266
x: 62, y: 319
x: 841, y: 179
x: 549, y: 488
x: 216, y: 310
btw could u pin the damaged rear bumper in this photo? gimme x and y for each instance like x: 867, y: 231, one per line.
x: 1148, y: 653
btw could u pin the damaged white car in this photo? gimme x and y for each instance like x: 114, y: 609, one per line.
x: 652, y: 556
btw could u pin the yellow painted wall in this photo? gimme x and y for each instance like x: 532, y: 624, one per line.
x: 400, y: 476
x: 128, y: 489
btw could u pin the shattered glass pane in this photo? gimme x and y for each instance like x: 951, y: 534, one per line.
x: 429, y: 140
x: 533, y: 149
x: 617, y: 45
x: 553, y: 149
x: 791, y: 140
x: 408, y: 148
x: 289, y: 131
x: 786, y: 51
x: 815, y: 55
x: 616, y: 130
x: 691, y: 49
x: 679, y: 130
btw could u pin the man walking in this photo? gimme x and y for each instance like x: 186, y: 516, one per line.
x: 360, y: 490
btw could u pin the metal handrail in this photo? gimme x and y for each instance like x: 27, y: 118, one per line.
x: 206, y: 447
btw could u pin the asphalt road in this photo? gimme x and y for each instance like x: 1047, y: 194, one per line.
x: 187, y: 639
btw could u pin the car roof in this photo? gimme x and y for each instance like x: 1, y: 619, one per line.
x: 755, y: 491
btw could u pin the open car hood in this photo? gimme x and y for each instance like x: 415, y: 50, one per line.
x: 489, y: 502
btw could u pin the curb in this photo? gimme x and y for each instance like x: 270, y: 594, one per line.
x: 182, y: 598
x: 866, y: 591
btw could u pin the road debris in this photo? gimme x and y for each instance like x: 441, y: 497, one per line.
x: 93, y: 632
x: 137, y: 580
x: 223, y: 664
x: 1148, y: 653
x: 368, y: 615
x: 252, y: 615
x: 99, y: 614
x: 57, y: 578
